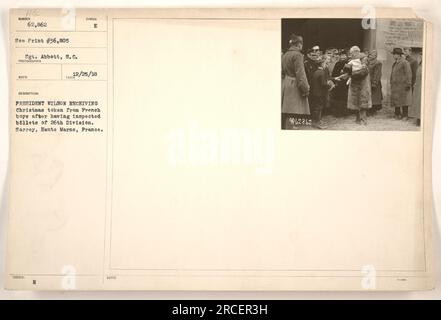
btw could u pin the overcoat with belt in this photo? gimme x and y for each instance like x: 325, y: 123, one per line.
x: 295, y: 87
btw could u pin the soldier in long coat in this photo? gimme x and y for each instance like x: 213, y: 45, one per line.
x: 295, y: 87
x: 400, y: 85
x: 359, y: 94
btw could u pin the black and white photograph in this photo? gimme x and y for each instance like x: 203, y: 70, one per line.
x: 351, y: 74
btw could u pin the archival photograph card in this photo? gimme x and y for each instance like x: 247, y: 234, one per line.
x: 220, y: 149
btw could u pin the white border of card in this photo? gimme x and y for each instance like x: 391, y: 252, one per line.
x: 175, y: 174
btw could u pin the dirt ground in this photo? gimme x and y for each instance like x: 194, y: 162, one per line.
x: 383, y: 120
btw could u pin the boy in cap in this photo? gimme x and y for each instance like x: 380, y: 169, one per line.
x: 320, y: 84
x: 310, y: 65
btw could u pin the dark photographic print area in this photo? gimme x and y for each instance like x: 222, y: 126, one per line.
x: 339, y: 75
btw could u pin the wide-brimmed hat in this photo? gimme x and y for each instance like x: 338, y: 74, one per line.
x: 397, y: 51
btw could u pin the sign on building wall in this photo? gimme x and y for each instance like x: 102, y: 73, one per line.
x: 403, y: 33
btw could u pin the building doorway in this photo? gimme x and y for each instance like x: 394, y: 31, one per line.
x: 326, y: 33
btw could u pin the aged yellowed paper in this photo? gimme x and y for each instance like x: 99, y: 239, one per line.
x: 147, y: 154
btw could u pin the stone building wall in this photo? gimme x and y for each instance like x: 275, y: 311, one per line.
x: 390, y: 34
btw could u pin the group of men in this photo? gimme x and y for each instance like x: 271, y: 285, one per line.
x: 405, y: 81
x: 341, y: 81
